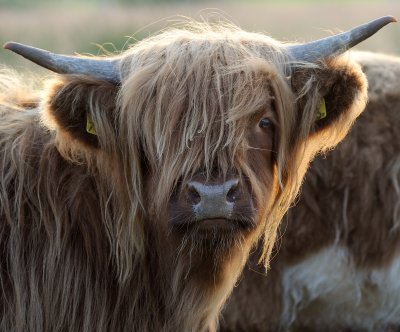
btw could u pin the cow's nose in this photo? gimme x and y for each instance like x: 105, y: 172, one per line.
x: 211, y: 201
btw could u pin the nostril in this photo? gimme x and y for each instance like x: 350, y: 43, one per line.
x: 193, y: 195
x: 234, y: 193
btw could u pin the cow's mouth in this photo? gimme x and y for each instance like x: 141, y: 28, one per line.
x: 211, y: 236
x: 214, y: 225
x: 224, y: 224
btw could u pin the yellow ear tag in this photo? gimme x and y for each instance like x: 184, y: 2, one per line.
x: 322, y: 110
x: 89, y: 125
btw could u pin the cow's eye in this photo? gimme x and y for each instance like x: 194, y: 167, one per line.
x: 265, y: 123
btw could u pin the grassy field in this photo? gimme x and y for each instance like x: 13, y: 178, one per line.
x: 82, y: 28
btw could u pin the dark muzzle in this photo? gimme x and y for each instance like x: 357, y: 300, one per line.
x: 213, y: 201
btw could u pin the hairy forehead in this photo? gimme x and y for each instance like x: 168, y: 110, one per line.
x: 190, y: 90
x: 196, y: 33
x: 203, y: 49
x: 208, y: 88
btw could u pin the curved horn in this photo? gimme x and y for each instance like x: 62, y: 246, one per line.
x: 335, y: 45
x: 65, y: 64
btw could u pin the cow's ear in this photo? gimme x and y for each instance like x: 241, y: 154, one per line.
x: 334, y: 94
x: 81, y: 110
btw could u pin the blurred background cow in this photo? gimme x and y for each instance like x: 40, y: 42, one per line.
x: 336, y: 265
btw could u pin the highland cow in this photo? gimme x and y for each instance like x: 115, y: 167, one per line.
x: 337, y: 265
x: 133, y: 188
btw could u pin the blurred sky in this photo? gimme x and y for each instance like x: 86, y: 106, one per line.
x: 81, y: 26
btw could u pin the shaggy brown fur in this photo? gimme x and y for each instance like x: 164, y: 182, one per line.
x: 84, y: 220
x: 350, y: 202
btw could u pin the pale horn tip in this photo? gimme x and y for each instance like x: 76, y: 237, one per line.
x: 15, y: 47
x: 9, y: 45
x: 390, y: 18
